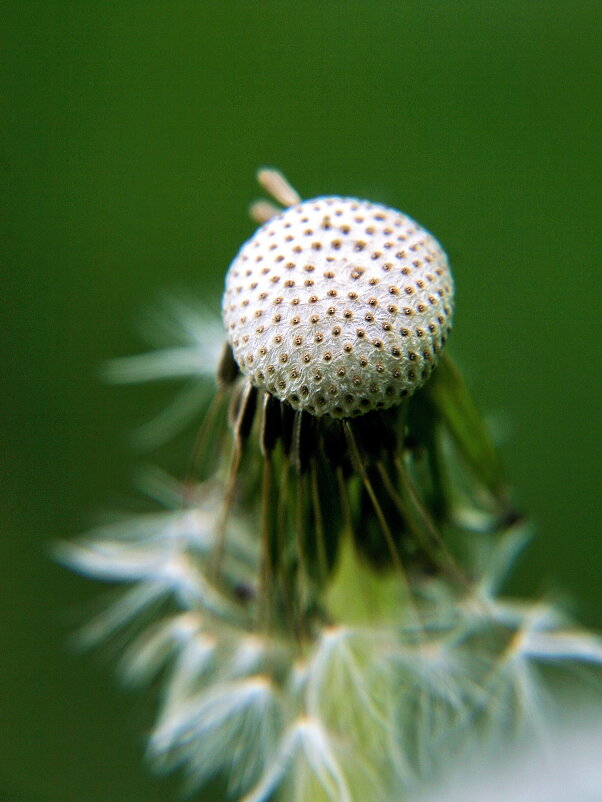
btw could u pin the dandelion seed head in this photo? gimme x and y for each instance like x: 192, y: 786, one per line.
x: 312, y: 629
x: 339, y: 306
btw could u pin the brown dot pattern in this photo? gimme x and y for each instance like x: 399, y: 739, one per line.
x: 339, y: 306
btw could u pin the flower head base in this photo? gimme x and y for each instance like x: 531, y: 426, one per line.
x: 338, y: 306
x: 311, y: 599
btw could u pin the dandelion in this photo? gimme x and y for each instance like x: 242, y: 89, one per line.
x: 321, y: 596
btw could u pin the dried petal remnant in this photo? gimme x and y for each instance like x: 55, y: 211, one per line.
x: 361, y: 256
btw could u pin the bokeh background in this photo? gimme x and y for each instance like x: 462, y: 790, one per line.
x: 130, y: 137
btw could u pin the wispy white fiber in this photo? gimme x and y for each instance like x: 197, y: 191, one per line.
x: 306, y: 760
x: 229, y: 726
x: 197, y: 338
x: 198, y: 342
x: 353, y: 713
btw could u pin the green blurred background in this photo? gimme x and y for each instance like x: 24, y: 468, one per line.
x: 131, y: 134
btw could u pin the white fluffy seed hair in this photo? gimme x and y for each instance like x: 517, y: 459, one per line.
x: 338, y: 306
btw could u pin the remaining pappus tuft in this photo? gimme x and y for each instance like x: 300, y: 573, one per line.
x: 320, y: 597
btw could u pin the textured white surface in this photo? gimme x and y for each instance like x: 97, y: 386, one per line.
x: 339, y: 306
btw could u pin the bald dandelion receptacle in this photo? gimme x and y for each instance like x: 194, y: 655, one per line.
x: 338, y: 306
x: 320, y: 598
